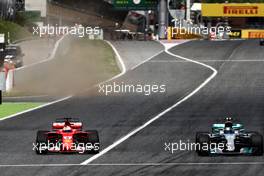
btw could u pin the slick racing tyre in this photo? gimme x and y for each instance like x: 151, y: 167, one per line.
x: 93, y: 139
x: 202, y: 139
x: 41, y: 140
x: 257, y: 144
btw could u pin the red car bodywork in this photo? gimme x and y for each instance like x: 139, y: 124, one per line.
x: 67, y: 136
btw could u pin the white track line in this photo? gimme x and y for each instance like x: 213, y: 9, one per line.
x: 136, y: 164
x: 36, y: 108
x: 51, y: 56
x: 146, y: 60
x: 87, y: 162
x: 172, y: 61
x: 123, y: 67
x: 30, y: 96
x: 121, y: 140
x: 166, y: 47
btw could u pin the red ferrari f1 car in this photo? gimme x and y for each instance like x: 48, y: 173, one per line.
x: 67, y: 137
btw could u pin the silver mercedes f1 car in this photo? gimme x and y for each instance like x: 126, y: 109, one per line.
x: 229, y: 138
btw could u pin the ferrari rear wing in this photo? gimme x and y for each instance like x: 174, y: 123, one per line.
x: 60, y: 123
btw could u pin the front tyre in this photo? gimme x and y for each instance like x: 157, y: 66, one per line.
x: 202, y: 139
x: 93, y: 139
x: 257, y: 144
x: 41, y: 142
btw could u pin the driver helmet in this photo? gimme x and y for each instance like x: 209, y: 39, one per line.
x: 228, y: 122
x: 67, y: 128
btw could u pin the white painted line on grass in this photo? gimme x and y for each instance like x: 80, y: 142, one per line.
x: 124, y: 138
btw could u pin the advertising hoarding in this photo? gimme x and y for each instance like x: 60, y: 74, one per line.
x: 233, y: 10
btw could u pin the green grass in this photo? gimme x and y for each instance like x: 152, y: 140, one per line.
x: 7, y: 109
x: 16, y: 31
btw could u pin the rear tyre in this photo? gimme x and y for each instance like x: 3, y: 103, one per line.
x: 202, y: 139
x: 41, y: 140
x: 93, y: 139
x: 257, y: 144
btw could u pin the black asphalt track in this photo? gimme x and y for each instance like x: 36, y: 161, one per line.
x: 237, y: 90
